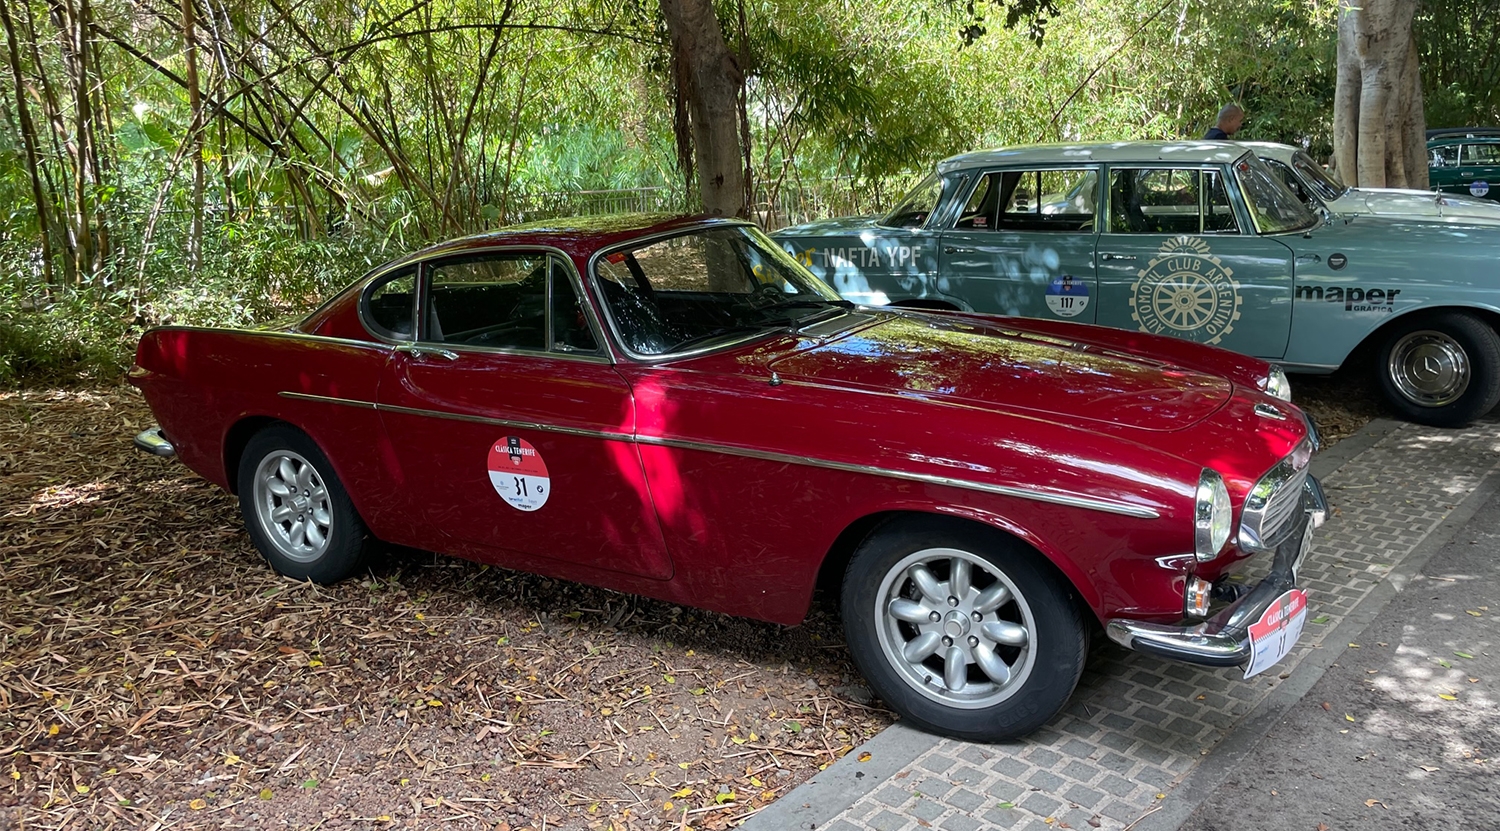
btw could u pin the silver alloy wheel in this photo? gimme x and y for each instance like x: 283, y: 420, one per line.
x: 955, y: 628
x: 1429, y: 368
x: 293, y: 506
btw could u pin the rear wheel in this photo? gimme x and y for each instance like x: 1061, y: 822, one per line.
x: 295, y: 508
x: 1442, y: 369
x: 964, y: 631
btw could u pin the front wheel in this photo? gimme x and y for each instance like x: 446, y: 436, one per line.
x: 964, y: 631
x: 1442, y: 369
x: 295, y: 508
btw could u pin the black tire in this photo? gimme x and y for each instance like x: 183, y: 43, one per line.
x: 290, y: 531
x: 1441, y: 369
x: 1040, y: 675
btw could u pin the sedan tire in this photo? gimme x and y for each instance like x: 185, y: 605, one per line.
x: 963, y: 630
x: 1441, y: 369
x: 296, y: 510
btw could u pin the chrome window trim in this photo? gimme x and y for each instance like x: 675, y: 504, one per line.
x: 281, y: 333
x: 599, y: 355
x: 1032, y: 494
x: 619, y: 341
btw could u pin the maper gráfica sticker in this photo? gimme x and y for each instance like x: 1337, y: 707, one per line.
x: 1067, y: 296
x: 519, y: 474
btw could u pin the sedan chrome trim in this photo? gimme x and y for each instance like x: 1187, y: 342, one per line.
x: 328, y: 399
x: 1036, y: 495
x: 1067, y: 499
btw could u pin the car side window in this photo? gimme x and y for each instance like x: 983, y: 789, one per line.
x: 979, y: 211
x: 497, y: 300
x: 1481, y: 154
x: 390, y: 306
x: 570, y: 322
x: 1049, y: 200
x: 1170, y: 201
x: 1444, y: 156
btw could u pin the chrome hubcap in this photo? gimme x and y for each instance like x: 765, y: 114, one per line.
x: 292, y: 506
x: 1429, y: 368
x: 955, y: 628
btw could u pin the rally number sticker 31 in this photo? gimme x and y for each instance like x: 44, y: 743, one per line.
x: 519, y: 474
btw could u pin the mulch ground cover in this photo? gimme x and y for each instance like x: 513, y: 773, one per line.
x: 154, y: 672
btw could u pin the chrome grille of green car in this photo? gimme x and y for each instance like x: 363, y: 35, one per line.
x: 1271, y: 507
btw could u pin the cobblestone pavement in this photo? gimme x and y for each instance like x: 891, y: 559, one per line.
x: 1137, y: 724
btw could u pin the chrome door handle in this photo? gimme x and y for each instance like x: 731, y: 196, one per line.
x: 1117, y: 256
x: 1310, y: 258
x: 417, y: 351
x: 954, y: 249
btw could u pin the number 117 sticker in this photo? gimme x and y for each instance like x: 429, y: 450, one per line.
x: 519, y: 474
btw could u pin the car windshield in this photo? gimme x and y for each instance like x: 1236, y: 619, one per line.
x: 1274, y: 208
x: 1325, y: 182
x: 707, y: 287
x: 917, y: 206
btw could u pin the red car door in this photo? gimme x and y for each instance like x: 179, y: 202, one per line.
x: 510, y: 425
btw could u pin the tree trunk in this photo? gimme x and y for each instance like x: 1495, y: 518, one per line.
x: 28, y: 138
x: 194, y: 133
x: 708, y: 78
x: 1378, y: 124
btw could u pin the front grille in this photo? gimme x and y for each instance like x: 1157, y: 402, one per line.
x: 1271, y: 507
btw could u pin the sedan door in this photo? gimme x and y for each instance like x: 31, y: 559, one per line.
x: 1479, y: 170
x: 1024, y: 244
x: 511, y: 426
x: 1179, y: 259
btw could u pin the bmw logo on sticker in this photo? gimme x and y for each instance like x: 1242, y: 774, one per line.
x: 1067, y: 296
x: 1479, y: 188
x: 519, y: 474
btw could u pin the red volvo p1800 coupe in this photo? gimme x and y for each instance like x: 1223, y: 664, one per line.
x: 675, y: 408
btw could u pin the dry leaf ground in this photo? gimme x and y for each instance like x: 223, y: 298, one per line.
x: 154, y: 673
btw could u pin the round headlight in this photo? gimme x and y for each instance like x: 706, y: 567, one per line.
x: 1212, y: 516
x: 1278, y: 385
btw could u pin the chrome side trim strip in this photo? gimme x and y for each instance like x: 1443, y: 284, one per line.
x: 325, y: 399
x: 511, y: 423
x: 1068, y: 500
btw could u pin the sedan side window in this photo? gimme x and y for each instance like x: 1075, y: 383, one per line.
x: 570, y: 322
x: 1481, y: 154
x: 1170, y: 201
x: 1445, y: 156
x: 491, y: 300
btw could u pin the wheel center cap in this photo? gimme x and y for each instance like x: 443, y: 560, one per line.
x: 300, y: 503
x: 956, y: 624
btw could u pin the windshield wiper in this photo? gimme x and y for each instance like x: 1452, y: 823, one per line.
x: 808, y: 303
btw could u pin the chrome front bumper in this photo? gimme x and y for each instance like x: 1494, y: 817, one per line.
x: 153, y: 441
x: 1224, y: 639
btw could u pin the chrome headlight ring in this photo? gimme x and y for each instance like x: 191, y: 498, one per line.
x: 1212, y: 516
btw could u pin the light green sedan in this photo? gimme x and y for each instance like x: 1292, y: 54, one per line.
x: 1198, y: 240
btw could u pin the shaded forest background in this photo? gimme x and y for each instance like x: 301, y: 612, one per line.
x: 227, y: 161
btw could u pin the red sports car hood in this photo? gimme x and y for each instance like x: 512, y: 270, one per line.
x: 1002, y: 366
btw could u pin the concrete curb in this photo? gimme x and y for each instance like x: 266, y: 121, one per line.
x: 814, y: 803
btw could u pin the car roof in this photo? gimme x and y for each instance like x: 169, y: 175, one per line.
x: 579, y: 235
x: 1186, y: 151
x: 1463, y: 132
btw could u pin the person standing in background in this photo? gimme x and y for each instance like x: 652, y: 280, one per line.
x: 1230, y: 119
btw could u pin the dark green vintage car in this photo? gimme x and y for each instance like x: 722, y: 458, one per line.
x: 1465, y: 160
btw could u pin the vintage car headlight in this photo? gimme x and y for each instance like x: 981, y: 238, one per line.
x: 1212, y: 516
x: 1278, y: 385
